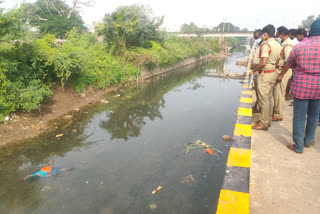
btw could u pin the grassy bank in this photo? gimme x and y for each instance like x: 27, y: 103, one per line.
x: 30, y: 69
x: 32, y: 61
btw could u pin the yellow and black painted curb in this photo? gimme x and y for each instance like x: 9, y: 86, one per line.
x: 234, y: 195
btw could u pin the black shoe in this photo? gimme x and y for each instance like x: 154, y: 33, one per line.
x: 254, y: 110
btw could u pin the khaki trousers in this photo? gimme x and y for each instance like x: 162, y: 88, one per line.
x: 255, y: 80
x: 279, y: 93
x: 266, y: 83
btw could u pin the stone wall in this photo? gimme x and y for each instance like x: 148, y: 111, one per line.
x: 145, y: 74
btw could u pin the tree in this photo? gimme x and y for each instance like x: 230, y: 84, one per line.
x: 146, y: 28
x: 130, y: 26
x: 308, y: 21
x: 116, y: 29
x: 193, y: 28
x: 227, y: 27
x: 55, y: 16
x: 189, y: 28
x: 10, y: 25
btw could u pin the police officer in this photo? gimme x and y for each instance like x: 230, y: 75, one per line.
x: 269, y: 53
x: 255, y: 62
x: 282, y: 82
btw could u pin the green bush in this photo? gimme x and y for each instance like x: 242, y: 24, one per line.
x: 93, y: 65
x: 33, y: 95
x: 17, y: 95
x: 172, y: 51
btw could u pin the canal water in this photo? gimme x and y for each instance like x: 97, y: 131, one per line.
x: 124, y: 149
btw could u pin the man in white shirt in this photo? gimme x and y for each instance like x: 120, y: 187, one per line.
x: 292, y: 35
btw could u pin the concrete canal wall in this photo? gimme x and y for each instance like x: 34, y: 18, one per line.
x: 145, y: 74
x: 234, y: 195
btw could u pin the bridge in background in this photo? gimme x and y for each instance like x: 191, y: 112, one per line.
x: 217, y: 34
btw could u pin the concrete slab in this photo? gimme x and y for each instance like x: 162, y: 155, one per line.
x: 281, y: 181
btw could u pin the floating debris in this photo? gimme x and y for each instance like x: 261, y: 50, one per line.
x: 209, y: 151
x: 74, y: 130
x: 200, y: 145
x: 189, y: 179
x: 153, y: 206
x: 68, y: 116
x: 118, y: 95
x: 157, y: 190
x: 87, y: 182
x: 128, y: 97
x: 46, y: 188
x: 227, y: 138
x: 68, y: 124
x: 196, y: 145
x: 59, y: 135
x: 104, y: 101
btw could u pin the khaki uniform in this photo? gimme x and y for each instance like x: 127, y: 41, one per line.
x: 280, y: 88
x: 270, y: 49
x: 256, y: 60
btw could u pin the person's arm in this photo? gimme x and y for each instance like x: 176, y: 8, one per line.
x: 253, y: 66
x: 290, y: 63
x: 258, y: 67
x: 263, y: 55
x: 28, y: 176
x: 283, y: 72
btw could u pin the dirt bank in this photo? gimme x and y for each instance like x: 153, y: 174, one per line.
x: 62, y: 104
x: 27, y: 125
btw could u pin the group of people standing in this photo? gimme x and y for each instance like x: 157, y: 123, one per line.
x: 288, y: 60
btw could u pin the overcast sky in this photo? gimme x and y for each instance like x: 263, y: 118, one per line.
x: 242, y: 13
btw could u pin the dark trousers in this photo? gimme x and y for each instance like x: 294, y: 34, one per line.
x: 304, y: 110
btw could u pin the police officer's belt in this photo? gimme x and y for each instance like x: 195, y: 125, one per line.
x: 269, y: 71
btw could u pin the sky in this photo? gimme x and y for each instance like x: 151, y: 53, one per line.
x: 209, y: 13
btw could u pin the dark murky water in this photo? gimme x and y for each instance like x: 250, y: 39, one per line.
x: 126, y: 148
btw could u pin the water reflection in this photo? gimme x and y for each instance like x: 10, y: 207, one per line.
x: 128, y: 119
x: 128, y: 116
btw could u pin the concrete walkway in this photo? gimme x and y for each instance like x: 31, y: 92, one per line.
x: 281, y: 181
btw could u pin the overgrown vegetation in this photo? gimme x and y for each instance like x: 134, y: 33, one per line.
x: 32, y: 62
x: 173, y: 50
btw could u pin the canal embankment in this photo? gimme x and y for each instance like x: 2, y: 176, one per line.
x: 65, y: 102
x: 234, y: 194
